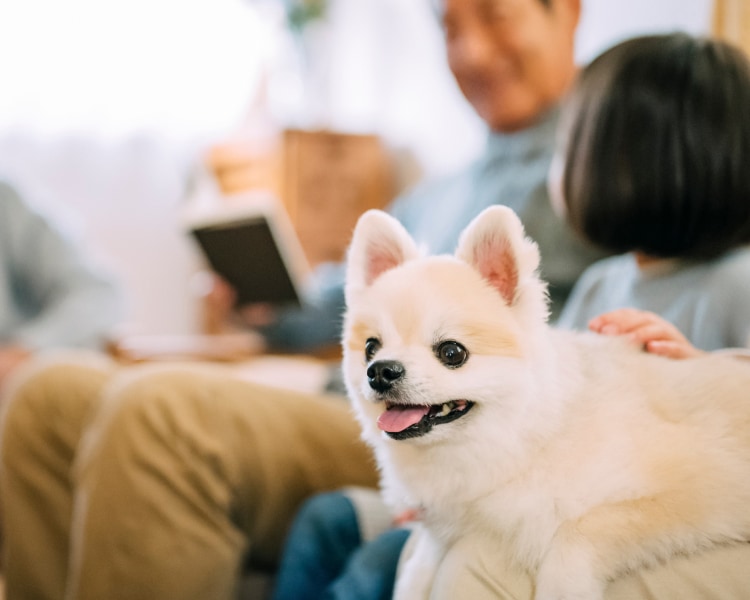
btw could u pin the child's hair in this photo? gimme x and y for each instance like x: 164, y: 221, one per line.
x: 656, y: 143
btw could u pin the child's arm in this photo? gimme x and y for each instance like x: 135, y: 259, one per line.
x: 655, y: 334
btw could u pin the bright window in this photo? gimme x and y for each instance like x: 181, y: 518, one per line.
x: 109, y: 67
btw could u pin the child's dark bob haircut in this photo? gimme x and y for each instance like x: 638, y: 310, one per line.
x: 656, y: 145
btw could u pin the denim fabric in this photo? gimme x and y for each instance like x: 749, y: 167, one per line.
x: 324, y: 558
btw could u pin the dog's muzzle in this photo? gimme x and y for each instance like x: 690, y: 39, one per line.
x: 383, y: 374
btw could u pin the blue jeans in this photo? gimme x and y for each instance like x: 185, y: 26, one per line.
x: 324, y: 557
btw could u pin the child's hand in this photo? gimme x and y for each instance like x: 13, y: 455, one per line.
x: 655, y: 334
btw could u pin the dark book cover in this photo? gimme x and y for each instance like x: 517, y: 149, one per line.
x: 255, y: 250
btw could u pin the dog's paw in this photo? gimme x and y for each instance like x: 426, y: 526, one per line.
x: 576, y: 592
x: 414, y: 584
x: 415, y: 580
x: 568, y: 574
x: 570, y: 587
x: 419, y: 563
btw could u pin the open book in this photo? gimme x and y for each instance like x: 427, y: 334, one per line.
x: 249, y: 240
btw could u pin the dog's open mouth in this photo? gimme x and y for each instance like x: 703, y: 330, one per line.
x: 402, y: 421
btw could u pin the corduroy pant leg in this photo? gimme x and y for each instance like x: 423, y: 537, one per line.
x: 43, y: 416
x: 186, y: 471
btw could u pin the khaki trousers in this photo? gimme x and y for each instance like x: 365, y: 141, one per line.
x: 157, y: 482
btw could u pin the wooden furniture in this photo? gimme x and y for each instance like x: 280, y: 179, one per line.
x: 325, y: 180
x: 731, y: 21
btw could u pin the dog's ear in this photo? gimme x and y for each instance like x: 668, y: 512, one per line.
x: 379, y: 243
x: 495, y: 244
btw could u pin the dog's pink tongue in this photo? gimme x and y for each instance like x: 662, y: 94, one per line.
x: 398, y: 418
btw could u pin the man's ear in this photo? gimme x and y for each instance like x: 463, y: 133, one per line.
x: 494, y: 243
x: 379, y: 243
x: 569, y: 10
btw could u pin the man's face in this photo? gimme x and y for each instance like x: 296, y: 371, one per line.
x: 512, y: 59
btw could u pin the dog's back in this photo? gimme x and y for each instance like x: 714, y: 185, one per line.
x: 659, y: 436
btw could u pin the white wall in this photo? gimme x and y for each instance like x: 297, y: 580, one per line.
x: 605, y: 22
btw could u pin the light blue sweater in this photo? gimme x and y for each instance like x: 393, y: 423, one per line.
x: 709, y: 302
x: 512, y: 170
x: 50, y: 296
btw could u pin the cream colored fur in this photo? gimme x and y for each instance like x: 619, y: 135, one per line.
x: 582, y: 457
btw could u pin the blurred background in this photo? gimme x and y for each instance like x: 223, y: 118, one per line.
x: 116, y: 113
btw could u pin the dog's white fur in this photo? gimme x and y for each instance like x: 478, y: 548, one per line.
x: 583, y: 456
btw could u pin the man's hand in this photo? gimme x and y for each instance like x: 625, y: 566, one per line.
x: 220, y: 312
x: 653, y: 333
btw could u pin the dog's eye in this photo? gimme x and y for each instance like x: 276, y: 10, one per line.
x: 372, y: 345
x: 452, y: 354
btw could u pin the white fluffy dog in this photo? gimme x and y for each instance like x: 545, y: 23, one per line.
x: 581, y: 455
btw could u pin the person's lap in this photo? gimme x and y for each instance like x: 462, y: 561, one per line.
x: 471, y: 569
x: 164, y: 462
x: 475, y: 568
x: 184, y: 469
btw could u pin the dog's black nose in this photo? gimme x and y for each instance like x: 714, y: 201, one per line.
x: 382, y: 374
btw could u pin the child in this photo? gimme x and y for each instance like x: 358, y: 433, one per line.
x: 654, y: 148
x: 652, y: 164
